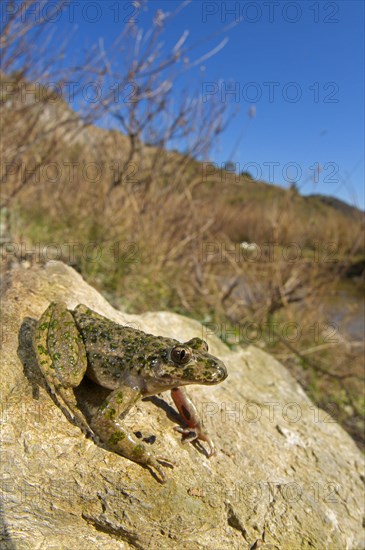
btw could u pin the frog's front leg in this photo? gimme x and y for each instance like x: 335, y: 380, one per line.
x: 119, y: 439
x: 190, y: 416
x: 62, y: 358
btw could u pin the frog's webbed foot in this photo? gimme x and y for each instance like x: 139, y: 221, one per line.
x: 188, y: 412
x: 107, y: 425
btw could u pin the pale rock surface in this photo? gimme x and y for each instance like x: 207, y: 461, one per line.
x: 285, y: 476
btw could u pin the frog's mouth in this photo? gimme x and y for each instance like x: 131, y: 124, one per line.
x: 213, y: 373
x: 211, y: 376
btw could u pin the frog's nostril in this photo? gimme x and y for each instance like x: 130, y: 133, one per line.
x: 222, y: 372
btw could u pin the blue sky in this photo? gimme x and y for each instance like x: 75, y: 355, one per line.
x: 309, y: 55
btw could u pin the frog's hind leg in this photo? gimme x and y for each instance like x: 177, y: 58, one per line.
x: 62, y: 359
x: 118, y: 438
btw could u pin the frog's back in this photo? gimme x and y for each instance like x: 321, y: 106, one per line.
x: 114, y: 352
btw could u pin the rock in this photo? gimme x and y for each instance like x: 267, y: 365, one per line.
x: 285, y: 474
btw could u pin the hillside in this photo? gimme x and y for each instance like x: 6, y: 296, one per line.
x: 338, y: 204
x: 50, y: 118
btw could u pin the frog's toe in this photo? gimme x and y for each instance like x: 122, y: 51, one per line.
x: 165, y: 462
x: 211, y: 451
x: 188, y: 435
x: 154, y: 462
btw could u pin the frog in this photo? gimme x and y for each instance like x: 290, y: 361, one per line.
x: 131, y: 365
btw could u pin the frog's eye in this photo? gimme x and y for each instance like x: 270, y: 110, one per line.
x: 181, y: 355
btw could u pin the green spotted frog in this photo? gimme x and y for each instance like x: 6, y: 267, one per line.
x: 129, y: 363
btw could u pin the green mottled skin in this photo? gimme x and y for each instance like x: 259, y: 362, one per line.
x: 128, y: 362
